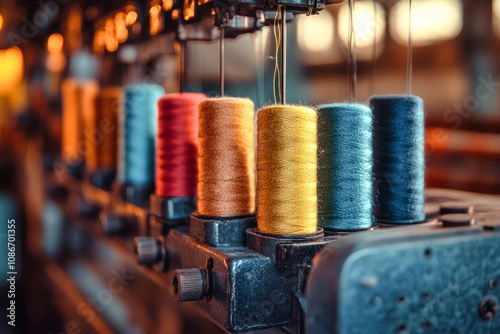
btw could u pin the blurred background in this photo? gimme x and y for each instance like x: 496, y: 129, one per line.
x: 456, y: 47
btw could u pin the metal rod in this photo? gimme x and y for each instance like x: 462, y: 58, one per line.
x: 352, y: 54
x: 182, y: 65
x: 283, y: 55
x: 221, y: 61
x: 409, y: 61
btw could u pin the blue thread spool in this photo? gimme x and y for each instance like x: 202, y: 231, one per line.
x: 345, y: 184
x: 137, y: 135
x: 398, y: 152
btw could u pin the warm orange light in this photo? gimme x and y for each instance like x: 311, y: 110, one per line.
x: 100, y: 40
x: 155, y: 10
x: 1, y: 22
x: 432, y: 21
x: 167, y: 5
x: 55, y: 43
x: 136, y: 28
x: 11, y: 69
x: 131, y: 18
x: 155, y: 20
x: 109, y: 25
x: 111, y: 44
x: 56, y: 62
x: 121, y: 31
x: 175, y: 14
x: 189, y: 6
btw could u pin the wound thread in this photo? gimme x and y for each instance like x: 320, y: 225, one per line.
x: 226, y: 165
x: 109, y: 102
x: 177, y: 145
x: 345, y: 161
x: 398, y: 151
x: 137, y: 134
x: 286, y: 170
x: 91, y: 134
x: 71, y: 121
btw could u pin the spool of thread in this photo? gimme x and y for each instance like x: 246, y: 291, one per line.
x: 226, y: 157
x: 398, y: 151
x: 177, y: 145
x: 109, y: 103
x: 71, y: 121
x: 345, y: 161
x: 286, y: 170
x: 137, y: 134
x: 92, y: 136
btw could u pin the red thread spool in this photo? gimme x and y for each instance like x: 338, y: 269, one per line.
x: 177, y: 145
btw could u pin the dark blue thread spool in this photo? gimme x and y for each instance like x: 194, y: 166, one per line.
x: 137, y: 135
x: 398, y: 152
x: 345, y: 160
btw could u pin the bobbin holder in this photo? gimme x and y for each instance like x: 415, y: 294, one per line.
x: 170, y: 211
x: 135, y: 195
x: 253, y: 280
x: 102, y: 179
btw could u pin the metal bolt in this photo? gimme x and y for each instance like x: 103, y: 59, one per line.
x: 147, y: 250
x: 457, y: 219
x: 87, y: 209
x: 488, y: 308
x: 189, y: 284
x: 113, y: 224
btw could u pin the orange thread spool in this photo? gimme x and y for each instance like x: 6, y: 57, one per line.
x: 226, y: 165
x: 107, y: 151
x: 71, y: 121
x: 91, y: 133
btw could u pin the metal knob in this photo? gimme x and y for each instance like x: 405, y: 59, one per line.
x: 189, y: 284
x: 457, y: 219
x: 456, y: 207
x: 147, y: 250
x: 113, y: 224
x: 86, y: 209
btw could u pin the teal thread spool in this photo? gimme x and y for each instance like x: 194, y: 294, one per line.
x: 345, y: 161
x: 137, y: 134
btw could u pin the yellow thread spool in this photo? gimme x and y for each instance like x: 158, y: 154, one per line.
x: 286, y: 170
x: 226, y: 157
